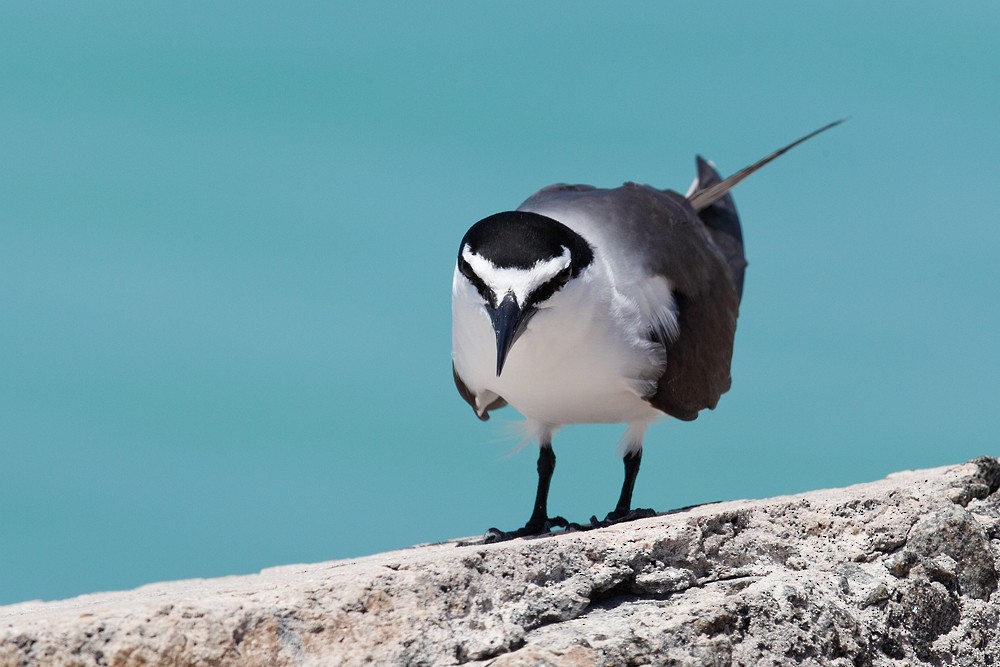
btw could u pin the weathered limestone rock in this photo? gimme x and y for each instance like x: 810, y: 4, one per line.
x: 897, y: 572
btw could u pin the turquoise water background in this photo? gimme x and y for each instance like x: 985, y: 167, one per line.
x: 227, y: 235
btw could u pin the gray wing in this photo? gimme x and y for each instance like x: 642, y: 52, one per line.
x: 659, y: 233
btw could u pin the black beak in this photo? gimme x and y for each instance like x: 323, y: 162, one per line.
x: 508, y: 323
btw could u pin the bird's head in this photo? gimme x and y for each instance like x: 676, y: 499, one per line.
x: 517, y: 261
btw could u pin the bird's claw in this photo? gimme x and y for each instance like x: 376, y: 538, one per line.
x: 533, y: 528
x: 529, y: 529
x: 617, y: 517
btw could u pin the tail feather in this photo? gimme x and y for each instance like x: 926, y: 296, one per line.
x: 702, y: 198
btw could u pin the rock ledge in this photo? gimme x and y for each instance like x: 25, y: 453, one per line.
x: 902, y: 571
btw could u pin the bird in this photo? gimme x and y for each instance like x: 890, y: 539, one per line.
x: 601, y: 305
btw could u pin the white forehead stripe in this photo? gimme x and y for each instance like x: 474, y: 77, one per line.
x: 522, y: 282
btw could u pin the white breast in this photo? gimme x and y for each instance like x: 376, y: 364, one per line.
x: 585, y: 356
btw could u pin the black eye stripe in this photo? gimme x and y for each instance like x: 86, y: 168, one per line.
x: 546, y: 290
x: 484, y: 291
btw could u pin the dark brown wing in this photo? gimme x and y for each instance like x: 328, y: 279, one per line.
x: 699, y: 358
x: 722, y: 221
x: 470, y: 398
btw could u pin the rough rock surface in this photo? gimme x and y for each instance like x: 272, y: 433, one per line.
x: 897, y: 572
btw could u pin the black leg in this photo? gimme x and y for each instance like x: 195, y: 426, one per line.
x: 632, y: 461
x: 623, y: 510
x: 546, y: 466
x: 540, y: 522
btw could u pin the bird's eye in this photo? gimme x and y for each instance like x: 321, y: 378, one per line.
x: 563, y: 276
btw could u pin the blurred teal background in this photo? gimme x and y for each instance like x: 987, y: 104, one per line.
x: 227, y: 234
